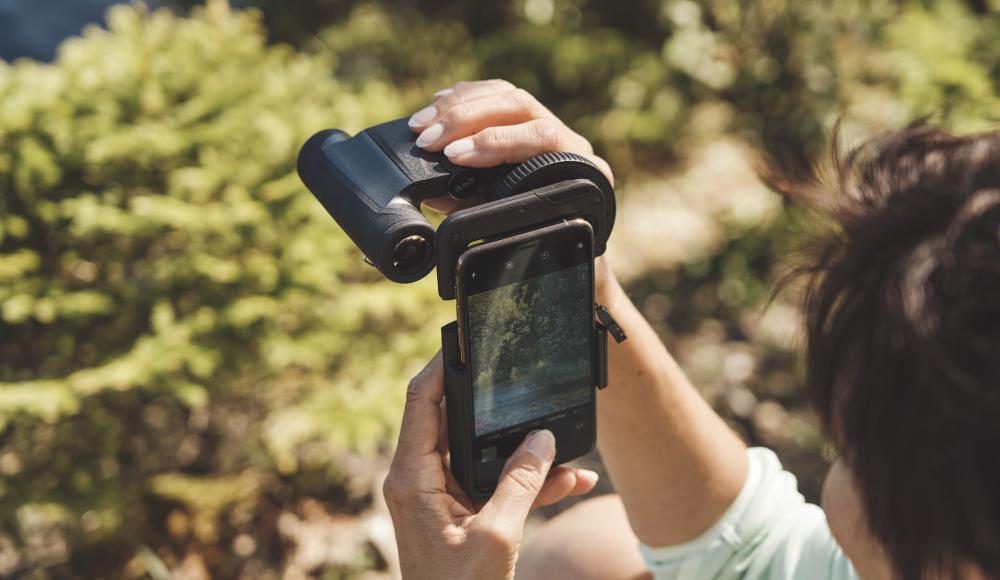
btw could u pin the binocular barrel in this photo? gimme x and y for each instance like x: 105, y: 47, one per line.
x: 364, y: 191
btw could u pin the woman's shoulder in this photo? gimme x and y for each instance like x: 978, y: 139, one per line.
x: 769, y: 531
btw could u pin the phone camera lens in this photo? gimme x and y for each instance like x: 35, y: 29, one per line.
x: 509, y: 265
x: 545, y: 255
x: 411, y: 254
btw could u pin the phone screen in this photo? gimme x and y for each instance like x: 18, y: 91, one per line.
x: 529, y: 327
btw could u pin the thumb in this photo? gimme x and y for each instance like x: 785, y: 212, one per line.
x: 521, y: 481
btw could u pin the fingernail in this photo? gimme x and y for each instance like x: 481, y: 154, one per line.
x: 460, y: 147
x: 542, y: 444
x: 444, y: 92
x: 423, y: 116
x: 430, y: 135
x: 588, y: 475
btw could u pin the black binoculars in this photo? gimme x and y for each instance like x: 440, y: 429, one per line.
x: 372, y: 184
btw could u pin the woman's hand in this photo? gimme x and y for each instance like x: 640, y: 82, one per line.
x: 486, y: 123
x: 439, y: 532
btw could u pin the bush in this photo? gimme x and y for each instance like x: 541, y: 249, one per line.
x: 185, y: 330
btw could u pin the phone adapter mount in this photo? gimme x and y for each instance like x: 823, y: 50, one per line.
x: 372, y: 184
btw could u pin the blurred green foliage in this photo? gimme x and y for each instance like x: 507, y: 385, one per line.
x: 161, y: 262
x: 189, y: 348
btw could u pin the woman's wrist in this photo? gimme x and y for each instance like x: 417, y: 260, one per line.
x: 608, y: 290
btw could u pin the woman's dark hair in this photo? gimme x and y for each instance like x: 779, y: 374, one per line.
x: 903, y: 340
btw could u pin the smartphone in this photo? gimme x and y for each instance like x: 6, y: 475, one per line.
x: 526, y: 338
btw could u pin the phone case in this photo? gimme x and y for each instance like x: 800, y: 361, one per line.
x: 564, y: 200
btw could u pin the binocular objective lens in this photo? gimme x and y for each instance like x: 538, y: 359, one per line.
x: 411, y: 254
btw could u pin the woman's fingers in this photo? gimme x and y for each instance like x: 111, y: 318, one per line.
x: 515, y: 143
x: 522, y: 480
x: 487, y: 123
x: 442, y: 442
x: 564, y: 482
x: 467, y: 91
x: 416, y: 465
x: 451, y: 96
x: 463, y: 118
x: 419, y: 433
x: 586, y: 480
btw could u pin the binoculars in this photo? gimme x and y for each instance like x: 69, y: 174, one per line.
x: 372, y: 184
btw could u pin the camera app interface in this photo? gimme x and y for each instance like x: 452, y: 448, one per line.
x: 530, y: 338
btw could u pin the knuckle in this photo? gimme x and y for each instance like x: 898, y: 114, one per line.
x: 447, y: 102
x: 521, y: 98
x: 413, y: 386
x: 582, y: 144
x: 416, y: 390
x: 394, y: 492
x: 525, y: 480
x: 548, y: 132
x: 457, y: 115
x: 524, y: 100
x: 502, y: 84
x: 413, y: 390
x: 491, y: 138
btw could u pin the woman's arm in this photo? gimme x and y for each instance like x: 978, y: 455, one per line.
x: 676, y: 464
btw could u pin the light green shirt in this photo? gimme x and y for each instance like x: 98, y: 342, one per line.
x: 769, y: 532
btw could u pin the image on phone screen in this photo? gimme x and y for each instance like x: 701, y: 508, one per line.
x: 529, y: 334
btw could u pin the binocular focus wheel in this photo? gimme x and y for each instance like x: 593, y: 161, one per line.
x: 527, y: 174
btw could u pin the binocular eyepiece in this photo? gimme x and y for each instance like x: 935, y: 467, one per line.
x: 372, y: 184
x: 412, y: 254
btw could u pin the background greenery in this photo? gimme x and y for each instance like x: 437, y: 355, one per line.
x: 198, y: 376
